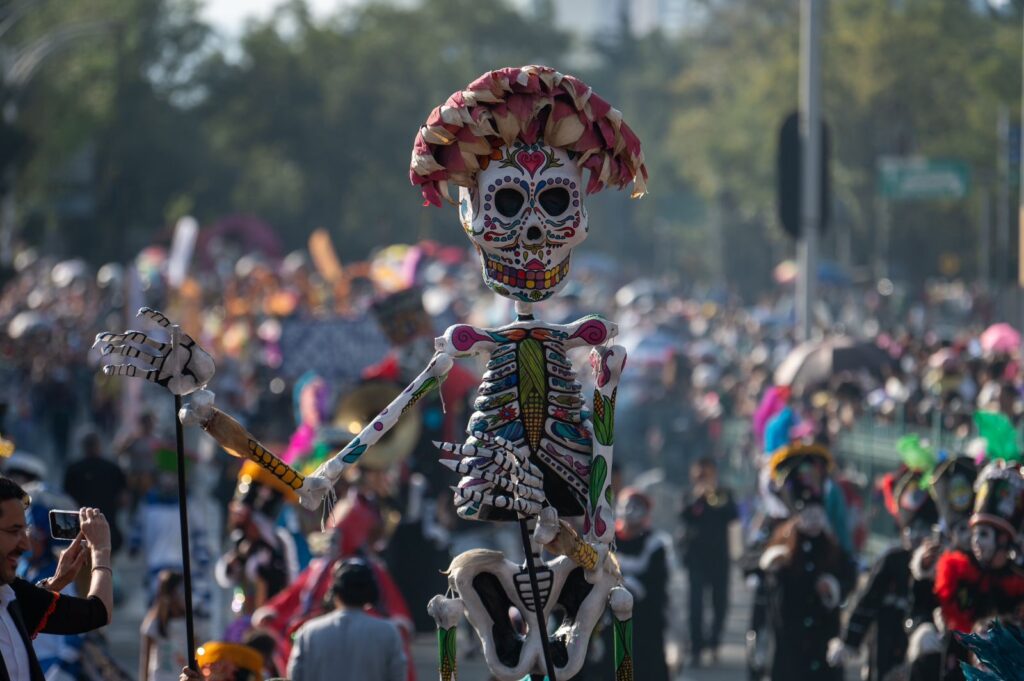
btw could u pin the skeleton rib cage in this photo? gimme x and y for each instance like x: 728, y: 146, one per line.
x: 530, y: 397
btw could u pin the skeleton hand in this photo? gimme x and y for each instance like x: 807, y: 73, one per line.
x: 181, y: 366
x: 497, y: 473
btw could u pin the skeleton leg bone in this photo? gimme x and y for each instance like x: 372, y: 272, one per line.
x: 621, y: 603
x: 446, y: 613
x: 607, y: 364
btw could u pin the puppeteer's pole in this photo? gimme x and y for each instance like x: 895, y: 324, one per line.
x: 186, y: 562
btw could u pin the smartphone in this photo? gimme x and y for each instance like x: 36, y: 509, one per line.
x: 65, y: 525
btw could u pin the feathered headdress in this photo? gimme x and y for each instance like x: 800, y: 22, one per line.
x: 777, y: 431
x: 1000, y: 436
x: 1000, y: 653
x: 903, y: 490
x: 531, y: 104
x: 773, y: 401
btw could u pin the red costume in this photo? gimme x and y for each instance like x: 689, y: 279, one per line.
x: 304, y: 598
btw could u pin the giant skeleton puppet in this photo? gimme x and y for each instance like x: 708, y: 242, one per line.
x: 516, y: 141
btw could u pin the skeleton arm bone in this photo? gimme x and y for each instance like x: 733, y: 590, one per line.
x: 590, y: 551
x: 315, y: 486
x: 234, y: 438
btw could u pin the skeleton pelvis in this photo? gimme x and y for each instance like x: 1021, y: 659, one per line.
x: 490, y: 586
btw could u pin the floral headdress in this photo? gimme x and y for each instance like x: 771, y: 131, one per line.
x: 531, y: 104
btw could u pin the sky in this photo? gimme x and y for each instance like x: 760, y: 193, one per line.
x: 229, y: 16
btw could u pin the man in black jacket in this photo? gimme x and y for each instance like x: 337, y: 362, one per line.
x: 704, y: 545
x: 26, y: 609
x: 891, y: 598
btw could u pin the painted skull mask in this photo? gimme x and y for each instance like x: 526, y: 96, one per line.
x: 525, y: 215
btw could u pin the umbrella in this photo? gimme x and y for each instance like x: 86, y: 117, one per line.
x: 815, y: 362
x: 1000, y: 338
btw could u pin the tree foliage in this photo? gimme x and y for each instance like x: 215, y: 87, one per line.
x: 309, y: 123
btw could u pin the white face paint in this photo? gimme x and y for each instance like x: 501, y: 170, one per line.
x: 983, y: 543
x: 960, y: 536
x: 525, y: 216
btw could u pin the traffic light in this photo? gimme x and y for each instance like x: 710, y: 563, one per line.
x: 788, y: 175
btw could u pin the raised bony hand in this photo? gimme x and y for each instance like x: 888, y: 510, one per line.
x: 181, y: 365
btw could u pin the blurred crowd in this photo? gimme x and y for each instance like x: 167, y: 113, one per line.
x: 700, y: 360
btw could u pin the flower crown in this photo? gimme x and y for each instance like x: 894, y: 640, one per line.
x: 530, y: 104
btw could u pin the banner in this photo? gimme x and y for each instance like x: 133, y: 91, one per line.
x: 337, y: 349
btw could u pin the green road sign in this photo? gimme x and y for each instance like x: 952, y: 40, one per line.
x: 907, y: 178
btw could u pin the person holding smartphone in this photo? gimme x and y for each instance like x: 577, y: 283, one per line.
x: 28, y: 609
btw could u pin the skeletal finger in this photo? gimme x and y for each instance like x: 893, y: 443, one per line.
x: 146, y: 360
x: 525, y: 492
x: 154, y: 316
x: 500, y: 501
x: 135, y: 337
x: 130, y: 371
x: 478, y: 467
x: 462, y: 450
x: 525, y: 470
x: 529, y: 489
x: 473, y: 451
x: 521, y: 453
x: 508, y: 456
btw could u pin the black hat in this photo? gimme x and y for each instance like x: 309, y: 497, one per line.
x: 402, y: 317
x: 1000, y: 498
x: 913, y: 504
x: 799, y: 473
x: 952, y: 488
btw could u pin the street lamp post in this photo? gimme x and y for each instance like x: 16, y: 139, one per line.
x: 810, y: 164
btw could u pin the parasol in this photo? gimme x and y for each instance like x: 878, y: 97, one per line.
x: 1000, y: 338
x: 815, y: 362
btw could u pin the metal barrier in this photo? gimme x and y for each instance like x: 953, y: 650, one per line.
x: 868, y: 450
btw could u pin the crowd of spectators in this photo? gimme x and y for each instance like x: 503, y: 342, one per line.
x: 700, y: 358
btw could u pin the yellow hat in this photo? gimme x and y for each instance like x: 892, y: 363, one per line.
x: 215, y: 657
x: 798, y: 450
x: 253, y: 472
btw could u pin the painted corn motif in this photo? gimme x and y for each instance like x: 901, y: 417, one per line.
x: 446, y: 654
x: 623, y: 643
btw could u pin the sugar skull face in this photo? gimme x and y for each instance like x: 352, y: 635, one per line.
x: 525, y: 216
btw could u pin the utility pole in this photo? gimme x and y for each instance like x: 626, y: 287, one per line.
x: 985, y: 229
x: 1002, y: 268
x: 810, y: 165
x: 1020, y: 187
